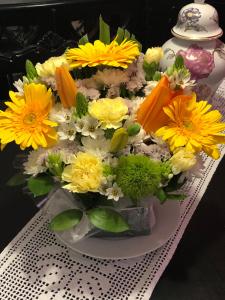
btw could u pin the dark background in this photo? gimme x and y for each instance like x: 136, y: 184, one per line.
x: 40, y: 29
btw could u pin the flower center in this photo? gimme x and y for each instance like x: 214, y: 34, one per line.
x: 29, y: 119
x: 188, y: 124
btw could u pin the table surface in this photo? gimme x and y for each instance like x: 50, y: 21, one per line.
x: 197, y: 269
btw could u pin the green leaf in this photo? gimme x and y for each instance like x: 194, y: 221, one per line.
x: 109, y: 133
x: 107, y: 219
x: 179, y: 62
x: 126, y: 34
x: 157, y: 76
x: 17, y: 179
x: 161, y: 195
x: 40, y: 185
x: 84, y: 40
x: 104, y: 31
x: 176, y: 196
x: 120, y: 35
x: 66, y: 220
x: 81, y: 105
x: 30, y: 70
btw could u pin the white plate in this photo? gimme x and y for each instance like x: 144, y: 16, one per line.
x: 167, y: 218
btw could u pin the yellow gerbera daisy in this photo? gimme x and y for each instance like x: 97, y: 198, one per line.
x: 193, y: 126
x: 25, y: 121
x: 114, y: 54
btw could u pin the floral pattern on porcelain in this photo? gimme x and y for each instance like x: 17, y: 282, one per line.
x: 189, y: 18
x: 202, y: 91
x: 199, y: 61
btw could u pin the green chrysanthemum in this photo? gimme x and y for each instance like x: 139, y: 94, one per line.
x: 138, y: 176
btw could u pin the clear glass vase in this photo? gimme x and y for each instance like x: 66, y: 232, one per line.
x: 141, y: 219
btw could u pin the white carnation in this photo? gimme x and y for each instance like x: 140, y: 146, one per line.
x: 35, y: 163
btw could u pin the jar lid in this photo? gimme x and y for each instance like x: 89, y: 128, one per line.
x: 197, y: 21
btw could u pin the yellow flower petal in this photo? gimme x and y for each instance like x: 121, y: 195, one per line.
x: 25, y: 121
x: 114, y: 55
x: 193, y: 126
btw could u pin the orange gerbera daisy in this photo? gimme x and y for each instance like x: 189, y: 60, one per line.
x: 114, y: 54
x: 193, y: 126
x: 25, y: 121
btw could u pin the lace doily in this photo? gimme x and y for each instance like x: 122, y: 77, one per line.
x: 37, y: 266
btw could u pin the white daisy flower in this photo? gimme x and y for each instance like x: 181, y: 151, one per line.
x: 181, y: 79
x: 19, y: 85
x: 88, y: 126
x: 61, y: 115
x: 67, y: 131
x: 99, y: 146
x: 114, y: 192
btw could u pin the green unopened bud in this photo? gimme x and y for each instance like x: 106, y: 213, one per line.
x: 30, y: 70
x: 157, y: 76
x: 119, y: 140
x: 55, y: 164
x: 133, y: 129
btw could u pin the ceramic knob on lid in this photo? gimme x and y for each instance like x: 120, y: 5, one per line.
x: 196, y: 39
x: 197, y: 21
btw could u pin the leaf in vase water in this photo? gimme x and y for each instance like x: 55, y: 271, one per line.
x: 107, y: 219
x: 66, y: 220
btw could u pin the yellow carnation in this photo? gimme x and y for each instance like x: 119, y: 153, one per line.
x: 84, y: 174
x: 48, y: 68
x: 153, y: 55
x: 182, y: 161
x: 110, y: 112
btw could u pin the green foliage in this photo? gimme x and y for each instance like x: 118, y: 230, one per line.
x: 81, y: 105
x: 30, y: 70
x: 107, y: 219
x: 157, y: 76
x: 165, y: 170
x: 178, y: 66
x: 150, y: 70
x: 133, y: 129
x: 17, y: 179
x: 40, y: 185
x: 119, y: 140
x: 91, y: 200
x: 84, y: 40
x: 138, y: 176
x: 123, y: 34
x: 163, y: 196
x: 179, y: 62
x: 55, y: 164
x: 66, y: 220
x: 107, y: 170
x: 104, y: 31
x: 125, y: 93
x: 109, y: 133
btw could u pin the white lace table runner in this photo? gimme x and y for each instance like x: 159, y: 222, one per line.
x: 37, y: 266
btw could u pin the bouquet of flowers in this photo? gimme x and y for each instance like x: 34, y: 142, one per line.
x: 104, y: 123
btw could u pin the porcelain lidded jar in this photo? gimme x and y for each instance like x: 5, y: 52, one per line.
x: 196, y: 38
